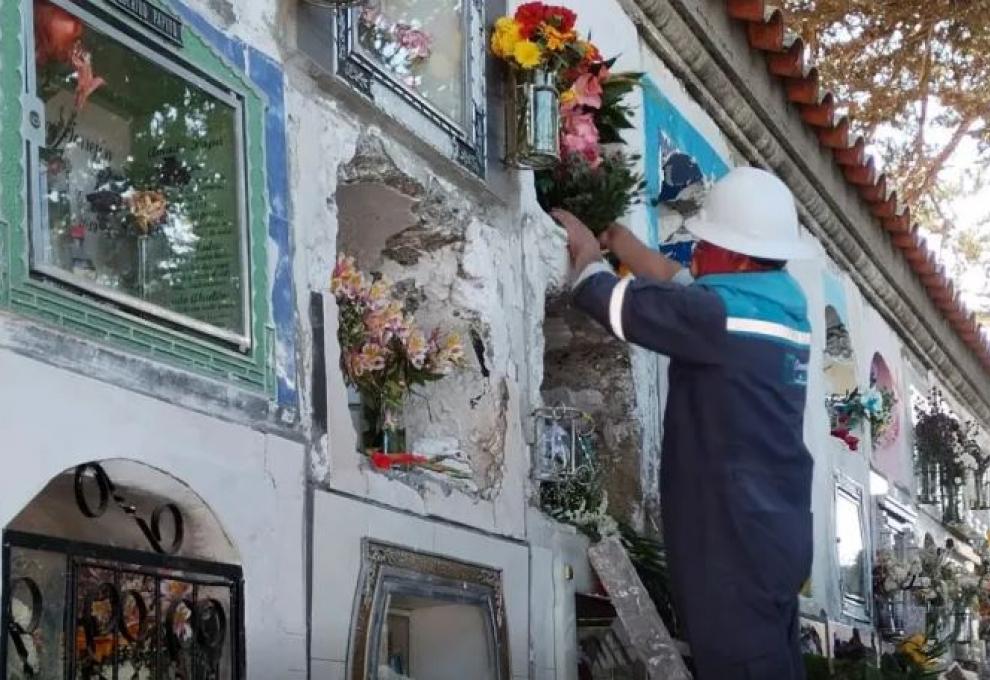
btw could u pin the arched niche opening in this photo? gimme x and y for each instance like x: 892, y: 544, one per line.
x: 841, y: 382
x: 882, y: 380
x: 117, y: 569
x: 840, y: 359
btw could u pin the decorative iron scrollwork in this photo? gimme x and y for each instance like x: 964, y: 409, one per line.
x: 19, y: 632
x: 152, y: 531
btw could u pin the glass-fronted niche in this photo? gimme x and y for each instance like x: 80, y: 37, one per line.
x: 852, y: 549
x: 137, y: 176
x: 411, y: 606
x: 422, y: 61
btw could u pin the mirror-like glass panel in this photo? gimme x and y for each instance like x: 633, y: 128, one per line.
x: 421, y: 44
x: 139, y: 177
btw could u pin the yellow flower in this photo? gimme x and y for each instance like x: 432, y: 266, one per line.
x: 556, y: 39
x: 567, y: 97
x: 527, y: 54
x: 505, y: 36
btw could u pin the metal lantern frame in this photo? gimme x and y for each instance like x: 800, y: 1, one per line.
x: 532, y: 119
x: 550, y: 465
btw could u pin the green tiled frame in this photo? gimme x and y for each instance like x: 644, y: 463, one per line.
x: 100, y: 321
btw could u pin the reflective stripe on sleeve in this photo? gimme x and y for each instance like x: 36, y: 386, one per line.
x: 615, y: 307
x: 767, y: 328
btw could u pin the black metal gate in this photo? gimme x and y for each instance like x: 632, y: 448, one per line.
x: 81, y: 611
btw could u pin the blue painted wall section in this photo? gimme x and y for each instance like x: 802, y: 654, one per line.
x: 835, y: 295
x: 267, y: 75
x: 667, y: 130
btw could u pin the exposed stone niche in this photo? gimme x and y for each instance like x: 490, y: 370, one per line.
x: 414, y: 231
x: 586, y: 367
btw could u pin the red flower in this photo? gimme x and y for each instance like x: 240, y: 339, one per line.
x: 848, y: 439
x: 530, y: 16
x: 386, y: 461
x: 77, y: 230
x: 560, y: 18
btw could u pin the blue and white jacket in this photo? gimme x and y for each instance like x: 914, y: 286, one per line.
x: 735, y: 473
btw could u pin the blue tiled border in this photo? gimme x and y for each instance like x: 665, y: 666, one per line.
x: 268, y: 77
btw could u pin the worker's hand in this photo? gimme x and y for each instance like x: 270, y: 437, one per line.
x: 581, y: 243
x: 607, y: 237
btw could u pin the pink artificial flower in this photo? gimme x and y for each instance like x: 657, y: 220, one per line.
x: 587, y: 92
x: 604, y: 74
x: 415, y: 343
x: 386, y: 322
x: 418, y: 43
x: 580, y: 136
x: 371, y: 358
x: 347, y: 282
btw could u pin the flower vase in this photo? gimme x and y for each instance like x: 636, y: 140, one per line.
x: 382, y: 430
x: 532, y: 119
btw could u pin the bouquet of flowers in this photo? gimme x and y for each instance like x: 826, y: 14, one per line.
x: 540, y: 36
x: 597, y: 185
x: 383, y: 352
x: 850, y: 410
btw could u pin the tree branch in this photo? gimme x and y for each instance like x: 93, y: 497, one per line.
x: 921, y: 184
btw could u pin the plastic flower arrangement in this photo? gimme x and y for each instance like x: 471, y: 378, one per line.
x: 540, y: 36
x: 850, y: 411
x: 892, y: 575
x: 917, y: 656
x: 940, y: 441
x: 383, y: 352
x: 598, y: 186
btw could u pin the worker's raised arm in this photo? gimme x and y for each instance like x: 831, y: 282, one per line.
x: 687, y: 323
x: 640, y: 259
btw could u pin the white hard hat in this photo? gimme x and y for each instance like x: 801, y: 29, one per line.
x: 752, y: 212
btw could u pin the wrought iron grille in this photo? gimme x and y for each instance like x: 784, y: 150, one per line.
x: 80, y: 611
x: 76, y: 610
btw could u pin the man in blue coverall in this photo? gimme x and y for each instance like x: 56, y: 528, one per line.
x: 735, y: 480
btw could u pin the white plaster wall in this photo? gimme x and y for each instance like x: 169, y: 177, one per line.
x: 253, y: 482
x: 337, y: 562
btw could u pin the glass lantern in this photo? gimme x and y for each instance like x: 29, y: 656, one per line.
x: 964, y: 626
x: 557, y: 451
x: 532, y: 119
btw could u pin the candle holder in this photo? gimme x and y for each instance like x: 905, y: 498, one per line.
x: 532, y: 119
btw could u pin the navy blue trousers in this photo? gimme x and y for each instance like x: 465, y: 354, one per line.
x: 785, y: 663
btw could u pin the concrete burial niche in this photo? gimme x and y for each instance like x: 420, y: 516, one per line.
x: 882, y: 378
x: 371, y: 213
x: 73, y: 506
x: 840, y: 358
